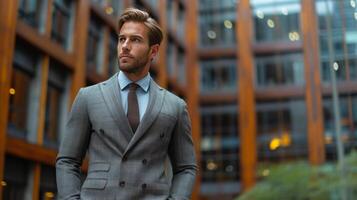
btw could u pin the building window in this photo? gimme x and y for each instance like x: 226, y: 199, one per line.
x: 17, y: 177
x: 218, y: 76
x: 32, y: 12
x: 217, y: 21
x: 219, y: 149
x: 277, y: 20
x: 62, y: 22
x: 56, y: 100
x: 95, y: 46
x: 113, y: 55
x: 280, y: 69
x: 181, y: 25
x: 48, y: 185
x: 111, y: 7
x: 338, y: 44
x: 281, y: 133
x: 171, y: 58
x: 348, y: 121
x: 181, y: 77
x: 21, y: 89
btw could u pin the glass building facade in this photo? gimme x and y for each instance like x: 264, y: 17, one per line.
x: 61, y: 46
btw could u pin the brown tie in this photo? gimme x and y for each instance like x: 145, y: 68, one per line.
x: 133, y: 107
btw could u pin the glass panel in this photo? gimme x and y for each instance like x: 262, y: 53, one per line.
x: 48, y: 187
x: 95, y: 46
x: 338, y: 38
x: 62, y: 17
x: 281, y: 133
x: 19, y: 102
x: 219, y: 149
x: 21, y: 88
x: 348, y: 110
x: 111, y: 7
x: 170, y: 14
x: 171, y: 58
x: 113, y: 57
x: 218, y: 76
x: 276, y: 20
x: 181, y: 28
x: 217, y: 21
x: 280, y: 69
x: 32, y: 12
x: 55, y: 104
x: 181, y: 68
x: 17, y: 175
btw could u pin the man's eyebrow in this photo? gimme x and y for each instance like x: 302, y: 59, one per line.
x: 135, y: 35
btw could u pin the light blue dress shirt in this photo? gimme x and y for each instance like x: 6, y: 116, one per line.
x: 142, y: 92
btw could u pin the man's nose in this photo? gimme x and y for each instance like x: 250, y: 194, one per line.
x: 126, y: 44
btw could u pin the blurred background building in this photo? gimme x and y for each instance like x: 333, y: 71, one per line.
x: 255, y: 74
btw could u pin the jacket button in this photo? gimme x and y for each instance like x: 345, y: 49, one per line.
x: 144, y: 186
x: 101, y: 131
x: 144, y: 161
x: 162, y: 135
x: 125, y: 158
x: 122, y: 184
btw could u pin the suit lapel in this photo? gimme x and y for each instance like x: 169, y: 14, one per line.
x: 154, y: 107
x: 110, y: 91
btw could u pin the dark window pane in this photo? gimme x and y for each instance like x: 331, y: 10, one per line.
x: 218, y: 76
x: 113, y: 57
x: 281, y: 133
x: 31, y: 12
x: 16, y: 178
x: 62, y: 15
x: 217, y: 21
x: 279, y: 70
x: 277, y: 20
x: 48, y: 187
x: 94, y: 46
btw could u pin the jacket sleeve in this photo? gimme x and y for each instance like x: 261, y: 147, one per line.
x: 182, y: 156
x: 73, y: 149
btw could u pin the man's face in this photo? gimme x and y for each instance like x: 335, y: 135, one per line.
x: 134, y: 52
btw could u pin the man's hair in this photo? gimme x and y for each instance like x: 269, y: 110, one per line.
x: 135, y: 15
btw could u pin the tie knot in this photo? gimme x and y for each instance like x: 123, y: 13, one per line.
x: 133, y: 86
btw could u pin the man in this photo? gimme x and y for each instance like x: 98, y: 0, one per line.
x: 137, y: 134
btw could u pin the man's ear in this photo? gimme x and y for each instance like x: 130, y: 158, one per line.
x: 154, y: 50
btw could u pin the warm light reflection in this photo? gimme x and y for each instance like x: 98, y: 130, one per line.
x: 284, y: 11
x: 12, y: 91
x: 274, y: 144
x: 328, y: 139
x: 335, y: 66
x: 109, y: 10
x: 285, y: 139
x: 266, y: 172
x: 211, y: 165
x: 49, y: 195
x: 211, y: 34
x: 3, y: 183
x: 260, y: 14
x: 228, y: 24
x: 270, y: 23
x: 294, y: 36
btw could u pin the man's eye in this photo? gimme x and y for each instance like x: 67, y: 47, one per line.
x: 121, y: 39
x: 136, y: 40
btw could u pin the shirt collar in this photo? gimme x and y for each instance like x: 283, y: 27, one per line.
x: 124, y: 81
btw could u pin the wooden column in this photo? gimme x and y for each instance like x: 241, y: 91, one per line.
x: 8, y: 18
x: 80, y: 45
x: 246, y: 97
x: 313, y: 82
x: 161, y: 63
x: 192, y: 87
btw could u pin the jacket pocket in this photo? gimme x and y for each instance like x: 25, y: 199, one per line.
x: 98, y: 167
x: 98, y: 184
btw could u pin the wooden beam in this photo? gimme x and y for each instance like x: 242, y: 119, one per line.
x: 80, y: 44
x: 45, y: 44
x: 192, y: 74
x: 315, y: 130
x: 277, y: 47
x: 246, y: 98
x: 8, y: 18
x: 161, y: 62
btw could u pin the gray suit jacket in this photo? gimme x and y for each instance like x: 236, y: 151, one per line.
x: 156, y: 162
